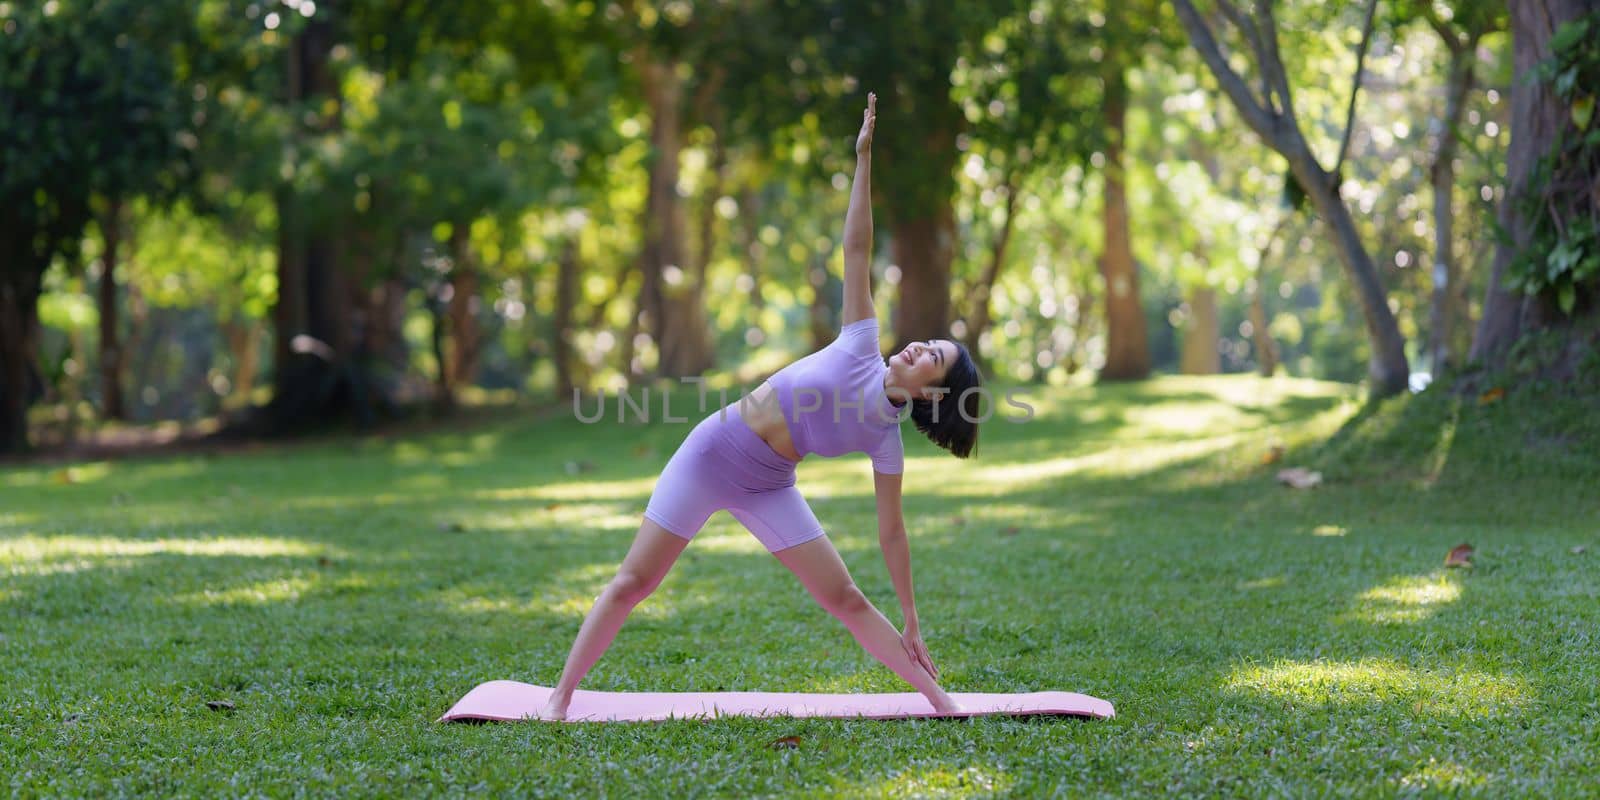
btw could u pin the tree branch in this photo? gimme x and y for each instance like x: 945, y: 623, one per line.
x: 1260, y: 119
x: 1355, y: 87
x: 1452, y: 42
x: 1272, y: 60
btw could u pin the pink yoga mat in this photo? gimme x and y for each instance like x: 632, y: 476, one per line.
x: 510, y: 701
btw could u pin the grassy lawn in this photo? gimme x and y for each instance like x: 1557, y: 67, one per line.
x: 1128, y: 543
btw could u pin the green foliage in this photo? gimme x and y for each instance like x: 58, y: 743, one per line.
x: 1562, y: 253
x: 95, y: 103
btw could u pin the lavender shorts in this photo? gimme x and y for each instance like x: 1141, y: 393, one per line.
x: 725, y: 465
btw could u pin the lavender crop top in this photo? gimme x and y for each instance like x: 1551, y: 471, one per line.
x: 834, y: 400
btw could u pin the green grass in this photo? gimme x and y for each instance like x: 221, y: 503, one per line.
x: 1127, y: 543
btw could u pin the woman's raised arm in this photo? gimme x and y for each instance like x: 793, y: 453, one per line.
x: 858, y: 225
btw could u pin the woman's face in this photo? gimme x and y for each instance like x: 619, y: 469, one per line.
x: 922, y: 364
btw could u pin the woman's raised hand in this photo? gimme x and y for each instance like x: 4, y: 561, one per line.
x: 868, y: 119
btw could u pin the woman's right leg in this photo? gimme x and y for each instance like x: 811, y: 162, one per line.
x: 654, y: 551
x: 819, y: 568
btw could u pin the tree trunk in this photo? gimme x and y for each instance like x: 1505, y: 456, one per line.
x: 567, y: 276
x: 1127, y: 350
x: 1537, y: 120
x: 19, y: 331
x: 466, y: 341
x: 1386, y: 365
x: 318, y: 374
x: 754, y: 252
x: 670, y: 299
x: 1266, y: 348
x: 820, y: 312
x: 243, y: 338
x: 1200, y: 334
x: 112, y: 402
x: 978, y: 318
x: 1442, y: 174
x: 444, y: 394
x: 922, y: 247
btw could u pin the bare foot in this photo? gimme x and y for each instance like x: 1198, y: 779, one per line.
x: 556, y: 709
x: 947, y: 705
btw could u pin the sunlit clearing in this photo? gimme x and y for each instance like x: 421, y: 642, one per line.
x: 945, y: 782
x: 1329, y: 530
x: 343, y: 502
x: 279, y: 590
x: 566, y: 517
x: 58, y: 476
x: 635, y: 489
x: 1408, y: 599
x: 1115, y: 461
x: 1163, y: 419
x: 1264, y: 583
x: 28, y: 554
x: 1436, y: 775
x: 1373, y: 681
x: 445, y: 453
x: 741, y: 541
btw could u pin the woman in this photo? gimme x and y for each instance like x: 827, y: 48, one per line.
x: 742, y: 458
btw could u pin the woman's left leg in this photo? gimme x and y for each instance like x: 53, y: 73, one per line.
x: 818, y: 566
x: 655, y: 549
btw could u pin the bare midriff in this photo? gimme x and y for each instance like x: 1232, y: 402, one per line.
x: 762, y: 413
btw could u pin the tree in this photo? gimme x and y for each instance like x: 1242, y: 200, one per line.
x: 1460, y: 26
x: 803, y: 73
x: 1546, y: 274
x: 1033, y: 108
x: 95, y: 106
x: 1271, y: 114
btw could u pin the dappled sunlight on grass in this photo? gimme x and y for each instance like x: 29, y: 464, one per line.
x: 258, y: 593
x: 1192, y: 418
x: 1275, y: 582
x: 1379, y: 681
x: 860, y: 681
x: 1259, y: 641
x: 1013, y: 477
x: 1447, y: 776
x: 34, y: 555
x: 637, y: 489
x: 446, y: 451
x: 739, y: 541
x: 568, y: 518
x: 973, y: 781
x: 343, y: 502
x: 64, y: 477
x: 1410, y: 598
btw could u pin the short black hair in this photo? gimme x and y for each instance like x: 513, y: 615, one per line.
x: 952, y: 420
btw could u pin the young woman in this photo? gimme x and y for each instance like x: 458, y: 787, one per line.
x: 841, y: 399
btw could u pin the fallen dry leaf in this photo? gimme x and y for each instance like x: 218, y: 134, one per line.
x: 1491, y: 396
x: 1299, y: 477
x: 219, y: 705
x: 1460, y: 556
x: 785, y: 743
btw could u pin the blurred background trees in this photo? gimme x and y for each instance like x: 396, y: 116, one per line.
x: 288, y: 213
